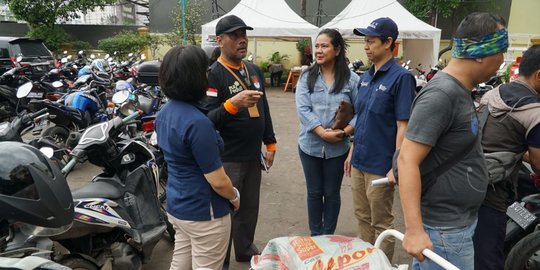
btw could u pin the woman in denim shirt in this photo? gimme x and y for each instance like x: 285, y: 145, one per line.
x: 323, y: 150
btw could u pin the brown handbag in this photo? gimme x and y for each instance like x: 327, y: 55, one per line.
x: 344, y: 114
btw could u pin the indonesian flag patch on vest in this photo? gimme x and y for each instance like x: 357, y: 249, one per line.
x: 211, y: 92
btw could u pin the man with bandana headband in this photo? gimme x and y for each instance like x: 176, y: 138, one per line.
x: 442, y: 172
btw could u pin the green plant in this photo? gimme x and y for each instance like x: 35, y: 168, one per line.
x: 53, y: 37
x: 301, y: 45
x: 277, y: 58
x: 264, y: 66
x: 123, y: 43
x: 78, y: 45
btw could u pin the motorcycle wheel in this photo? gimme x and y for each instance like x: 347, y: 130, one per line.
x: 525, y: 254
x: 77, y: 263
x: 58, y: 134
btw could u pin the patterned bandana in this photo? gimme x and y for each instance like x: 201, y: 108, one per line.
x: 490, y: 44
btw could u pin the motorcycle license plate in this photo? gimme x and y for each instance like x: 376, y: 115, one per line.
x: 520, y: 215
x: 35, y: 95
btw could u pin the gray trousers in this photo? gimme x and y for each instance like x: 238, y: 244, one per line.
x: 246, y: 177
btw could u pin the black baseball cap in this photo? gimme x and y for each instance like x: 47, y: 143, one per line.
x: 381, y: 27
x: 230, y: 24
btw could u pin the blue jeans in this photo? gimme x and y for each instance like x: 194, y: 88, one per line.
x: 454, y: 244
x: 323, y: 182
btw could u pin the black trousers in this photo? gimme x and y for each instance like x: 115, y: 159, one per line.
x: 489, y: 239
x: 276, y: 76
x: 246, y: 177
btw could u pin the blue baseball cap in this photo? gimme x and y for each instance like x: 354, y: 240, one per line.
x: 381, y: 27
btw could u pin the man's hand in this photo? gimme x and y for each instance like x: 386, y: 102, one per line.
x: 270, y: 158
x: 246, y: 98
x: 347, y: 163
x: 391, y: 178
x: 415, y: 242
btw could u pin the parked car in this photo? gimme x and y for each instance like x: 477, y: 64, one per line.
x: 33, y: 52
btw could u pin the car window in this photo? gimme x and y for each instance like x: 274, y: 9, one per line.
x: 30, y: 49
x: 4, y: 53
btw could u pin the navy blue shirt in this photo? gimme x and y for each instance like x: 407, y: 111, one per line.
x: 192, y: 148
x: 384, y: 98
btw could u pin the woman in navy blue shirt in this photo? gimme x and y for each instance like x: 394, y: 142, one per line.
x: 199, y: 193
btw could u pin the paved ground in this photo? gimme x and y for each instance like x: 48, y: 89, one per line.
x: 283, y: 193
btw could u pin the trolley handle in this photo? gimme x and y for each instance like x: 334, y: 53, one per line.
x: 427, y: 252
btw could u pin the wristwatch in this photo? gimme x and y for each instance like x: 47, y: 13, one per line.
x: 237, y: 196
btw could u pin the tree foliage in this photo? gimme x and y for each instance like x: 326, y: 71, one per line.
x: 123, y: 43
x: 47, y: 12
x: 130, y: 42
x: 53, y: 37
x: 428, y: 9
x: 194, y: 11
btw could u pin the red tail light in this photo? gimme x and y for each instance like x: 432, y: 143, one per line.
x: 148, y: 126
x: 53, y: 96
x: 536, y: 180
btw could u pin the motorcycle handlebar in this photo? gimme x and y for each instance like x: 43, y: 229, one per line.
x: 69, y: 166
x: 132, y: 116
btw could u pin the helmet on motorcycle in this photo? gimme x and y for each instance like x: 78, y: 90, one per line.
x: 86, y: 70
x: 32, y: 188
x: 122, y: 85
x: 100, y: 65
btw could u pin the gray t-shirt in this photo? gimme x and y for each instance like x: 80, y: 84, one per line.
x: 444, y: 117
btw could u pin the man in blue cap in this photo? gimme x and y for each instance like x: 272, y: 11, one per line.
x: 383, y: 107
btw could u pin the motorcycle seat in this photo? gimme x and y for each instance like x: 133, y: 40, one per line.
x: 98, y: 190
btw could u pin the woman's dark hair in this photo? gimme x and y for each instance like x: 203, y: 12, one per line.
x: 478, y: 24
x: 182, y: 75
x: 530, y: 61
x: 341, y: 70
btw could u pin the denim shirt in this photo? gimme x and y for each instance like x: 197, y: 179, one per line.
x: 318, y: 109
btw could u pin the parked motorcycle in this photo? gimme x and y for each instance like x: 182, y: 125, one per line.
x: 118, y: 219
x: 35, y: 202
x: 522, y: 242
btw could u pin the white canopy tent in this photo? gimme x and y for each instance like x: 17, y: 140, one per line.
x: 420, y: 40
x: 268, y: 19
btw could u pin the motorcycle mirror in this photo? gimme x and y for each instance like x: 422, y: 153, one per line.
x: 24, y: 89
x: 47, y: 151
x: 63, y: 60
x: 81, y: 52
x: 120, y: 96
x: 57, y: 84
x: 92, y: 56
x: 106, y: 56
x: 65, y: 52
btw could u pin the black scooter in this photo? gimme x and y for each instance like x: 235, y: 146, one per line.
x: 522, y: 242
x: 118, y: 219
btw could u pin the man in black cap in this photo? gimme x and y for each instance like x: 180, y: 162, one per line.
x: 383, y: 108
x: 239, y: 109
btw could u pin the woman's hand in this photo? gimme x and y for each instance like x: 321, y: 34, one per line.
x: 333, y: 135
